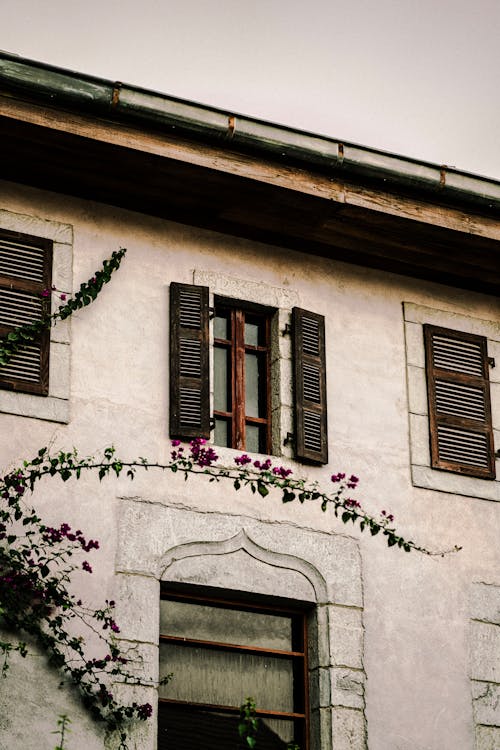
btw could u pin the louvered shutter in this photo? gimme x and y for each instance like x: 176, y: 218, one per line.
x: 189, y: 362
x: 461, y: 432
x: 25, y: 271
x: 311, y: 442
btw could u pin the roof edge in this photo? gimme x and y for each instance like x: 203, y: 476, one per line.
x: 66, y: 88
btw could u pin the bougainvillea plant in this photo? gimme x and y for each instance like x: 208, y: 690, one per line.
x: 37, y: 561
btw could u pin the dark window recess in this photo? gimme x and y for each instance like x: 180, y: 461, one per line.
x: 311, y: 441
x: 461, y: 431
x: 25, y: 271
x: 242, y: 379
x: 189, y: 362
x: 220, y: 652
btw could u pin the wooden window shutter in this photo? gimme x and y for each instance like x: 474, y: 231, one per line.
x: 311, y: 441
x: 25, y: 271
x: 189, y: 362
x: 461, y: 431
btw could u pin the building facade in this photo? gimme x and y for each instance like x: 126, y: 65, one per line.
x: 283, y: 294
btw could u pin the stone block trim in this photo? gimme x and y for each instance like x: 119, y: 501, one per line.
x: 56, y: 406
x: 415, y: 316
x: 161, y: 543
x: 485, y: 663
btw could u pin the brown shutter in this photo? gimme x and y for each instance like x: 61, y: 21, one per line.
x: 25, y: 271
x: 461, y: 431
x: 189, y: 362
x: 311, y: 442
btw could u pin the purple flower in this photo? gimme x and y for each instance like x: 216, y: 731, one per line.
x: 46, y: 293
x: 175, y: 443
x: 63, y: 297
x: 86, y: 566
x: 337, y: 477
x: 144, y: 711
x: 242, y: 460
x: 280, y: 471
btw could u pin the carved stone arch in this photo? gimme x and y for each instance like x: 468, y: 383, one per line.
x: 246, y: 565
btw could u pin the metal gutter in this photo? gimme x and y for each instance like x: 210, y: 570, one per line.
x: 59, y: 87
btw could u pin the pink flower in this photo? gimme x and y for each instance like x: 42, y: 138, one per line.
x: 175, y: 443
x: 63, y: 297
x: 86, y: 566
x: 46, y: 293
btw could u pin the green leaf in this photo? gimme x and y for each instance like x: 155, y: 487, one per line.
x: 374, y: 529
x: 346, y: 517
x: 262, y: 489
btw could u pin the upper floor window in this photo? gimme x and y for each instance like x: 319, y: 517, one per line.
x: 221, y: 652
x: 25, y: 275
x: 242, y: 379
x: 242, y: 342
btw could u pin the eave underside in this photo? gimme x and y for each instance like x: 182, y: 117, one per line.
x: 246, y: 206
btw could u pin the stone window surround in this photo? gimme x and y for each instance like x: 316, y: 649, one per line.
x: 56, y: 406
x: 158, y: 542
x: 283, y: 300
x: 421, y: 472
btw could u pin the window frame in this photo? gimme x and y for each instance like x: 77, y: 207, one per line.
x: 55, y: 406
x: 237, y: 418
x: 299, y: 655
x: 423, y: 474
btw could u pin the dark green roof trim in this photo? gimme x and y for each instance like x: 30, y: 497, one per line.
x: 68, y: 89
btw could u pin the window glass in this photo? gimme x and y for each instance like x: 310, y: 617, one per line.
x: 207, y: 623
x: 221, y: 372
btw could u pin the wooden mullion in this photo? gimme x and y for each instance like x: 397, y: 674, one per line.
x: 233, y: 709
x: 234, y: 647
x: 239, y: 379
x: 256, y: 420
x: 229, y: 603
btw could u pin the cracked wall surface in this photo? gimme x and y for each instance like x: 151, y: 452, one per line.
x: 485, y: 664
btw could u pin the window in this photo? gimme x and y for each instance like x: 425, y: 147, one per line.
x: 242, y: 343
x: 461, y: 432
x: 242, y: 379
x: 220, y: 652
x: 25, y: 271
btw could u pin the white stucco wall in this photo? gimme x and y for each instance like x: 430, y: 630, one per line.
x: 416, y: 644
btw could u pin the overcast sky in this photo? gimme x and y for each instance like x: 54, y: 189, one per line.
x: 415, y: 77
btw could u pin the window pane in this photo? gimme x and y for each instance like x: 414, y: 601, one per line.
x: 193, y: 728
x: 255, y: 331
x: 221, y: 326
x: 255, y: 438
x: 206, y: 623
x: 221, y: 435
x: 254, y: 383
x: 204, y: 675
x: 221, y: 376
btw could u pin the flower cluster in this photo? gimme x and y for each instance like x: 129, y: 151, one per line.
x: 64, y: 532
x: 200, y: 454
